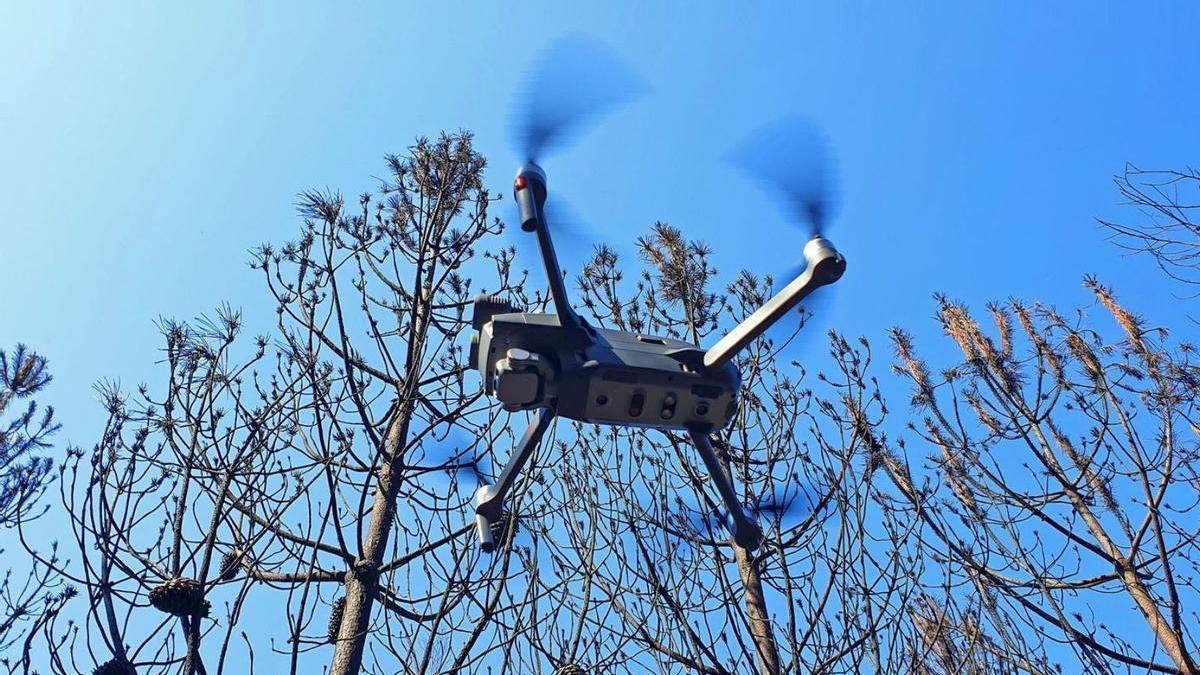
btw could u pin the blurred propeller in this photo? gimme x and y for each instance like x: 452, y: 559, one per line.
x: 791, y: 159
x: 574, y: 82
x: 786, y: 503
x: 706, y: 518
x: 459, y: 457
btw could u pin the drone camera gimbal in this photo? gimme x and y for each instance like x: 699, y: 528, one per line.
x: 560, y: 365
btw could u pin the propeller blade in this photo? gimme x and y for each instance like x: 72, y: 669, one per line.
x: 787, y: 502
x: 792, y: 160
x: 459, y: 458
x: 574, y: 82
x: 711, y: 522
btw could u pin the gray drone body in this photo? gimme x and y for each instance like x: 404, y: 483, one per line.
x: 560, y: 365
x: 597, y: 375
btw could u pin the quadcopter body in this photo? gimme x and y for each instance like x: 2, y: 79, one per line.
x: 560, y: 365
x: 597, y: 375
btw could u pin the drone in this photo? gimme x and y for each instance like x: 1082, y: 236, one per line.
x: 560, y: 365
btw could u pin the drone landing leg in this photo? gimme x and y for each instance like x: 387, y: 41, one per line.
x: 746, y: 532
x: 489, y: 499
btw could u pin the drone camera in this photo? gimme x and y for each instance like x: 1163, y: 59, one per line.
x: 519, y: 378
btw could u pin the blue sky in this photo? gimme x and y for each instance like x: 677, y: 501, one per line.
x: 145, y: 149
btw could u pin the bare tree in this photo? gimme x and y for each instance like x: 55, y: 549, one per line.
x: 1168, y: 201
x: 304, y: 497
x: 329, y: 468
x: 1059, y: 491
x: 372, y: 308
x: 24, y: 474
x: 31, y: 596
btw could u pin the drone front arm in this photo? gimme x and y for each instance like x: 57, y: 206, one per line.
x: 825, y: 266
x: 529, y: 191
x: 489, y: 499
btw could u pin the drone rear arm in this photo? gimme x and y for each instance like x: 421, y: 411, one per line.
x: 746, y: 532
x: 489, y: 499
x: 825, y: 266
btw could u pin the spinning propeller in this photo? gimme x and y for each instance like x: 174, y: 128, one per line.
x: 573, y: 83
x: 791, y: 160
x: 454, y: 455
x: 785, y: 503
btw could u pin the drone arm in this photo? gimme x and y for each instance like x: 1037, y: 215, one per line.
x: 489, y: 499
x: 825, y: 266
x: 746, y: 532
x: 529, y: 190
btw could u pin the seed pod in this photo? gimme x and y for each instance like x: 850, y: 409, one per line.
x: 230, y: 562
x: 114, y: 667
x: 335, y: 619
x: 180, y: 597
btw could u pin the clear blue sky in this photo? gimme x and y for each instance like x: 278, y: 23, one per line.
x: 144, y: 149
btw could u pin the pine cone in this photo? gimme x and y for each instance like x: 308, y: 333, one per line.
x: 335, y: 619
x: 180, y: 597
x: 114, y: 667
x: 230, y: 563
x: 570, y: 669
x: 500, y: 527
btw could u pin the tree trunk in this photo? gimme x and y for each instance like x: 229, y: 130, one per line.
x: 362, y: 581
x: 193, y: 664
x: 756, y: 612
